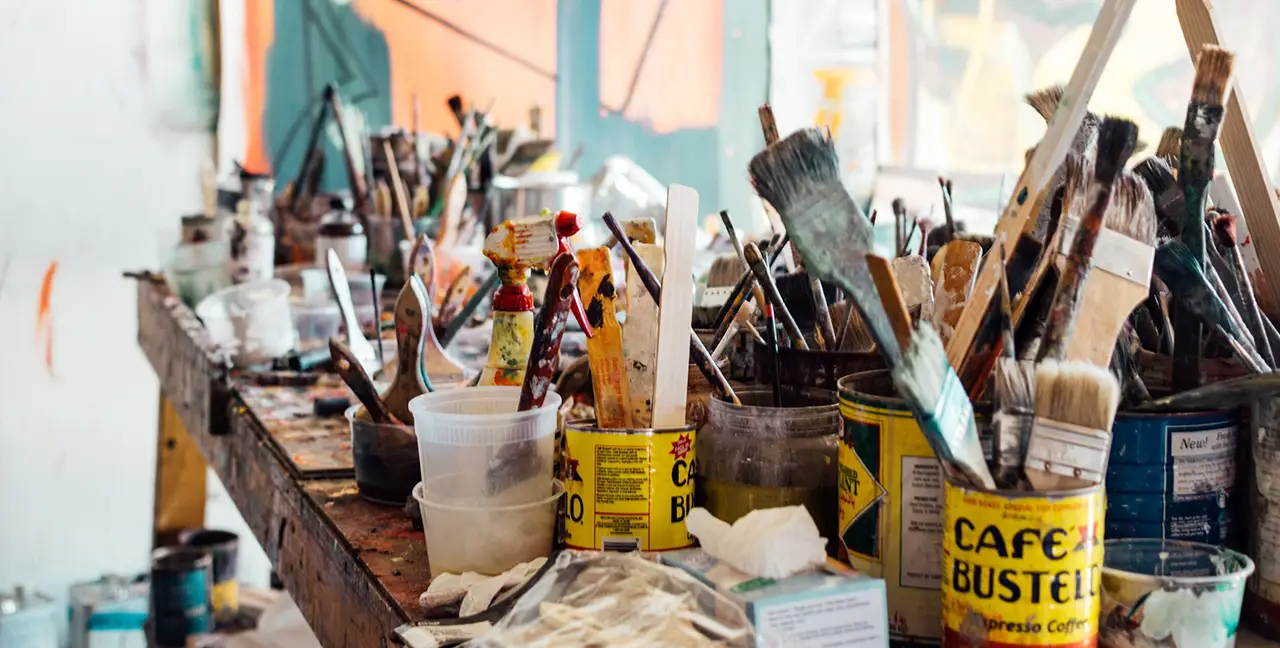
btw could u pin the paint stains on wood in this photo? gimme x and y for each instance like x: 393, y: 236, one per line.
x: 605, y: 349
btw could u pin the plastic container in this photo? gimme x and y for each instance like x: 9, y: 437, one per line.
x: 316, y: 320
x: 197, y: 270
x: 754, y: 456
x: 309, y: 286
x: 252, y: 319
x: 1171, y: 593
x: 385, y: 459
x: 496, y: 454
x: 484, y: 539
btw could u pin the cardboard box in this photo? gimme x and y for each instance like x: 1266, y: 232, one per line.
x: 827, y: 608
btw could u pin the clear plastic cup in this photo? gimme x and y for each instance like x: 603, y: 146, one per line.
x: 485, y: 539
x: 494, y: 451
x: 252, y: 319
x: 1171, y: 593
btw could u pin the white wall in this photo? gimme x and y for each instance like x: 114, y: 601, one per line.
x: 86, y: 178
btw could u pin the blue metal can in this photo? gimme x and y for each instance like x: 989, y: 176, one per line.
x: 1172, y: 475
x: 181, y: 591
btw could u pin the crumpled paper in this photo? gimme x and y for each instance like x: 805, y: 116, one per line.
x: 474, y: 593
x: 765, y: 543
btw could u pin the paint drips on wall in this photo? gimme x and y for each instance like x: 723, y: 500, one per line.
x: 44, y: 316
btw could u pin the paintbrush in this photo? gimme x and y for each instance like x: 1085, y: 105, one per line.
x: 1116, y: 140
x: 638, y: 230
x: 800, y: 177
x: 357, y: 379
x: 1169, y: 202
x: 1196, y: 158
x: 745, y: 289
x: 454, y: 295
x: 1013, y: 387
x: 824, y: 332
x: 1170, y: 147
x: 604, y: 349
x: 1124, y: 366
x: 413, y: 315
x: 945, y: 185
x: 932, y: 389
x: 356, y: 341
x: 398, y: 190
x: 744, y: 320
x: 1070, y: 440
x: 764, y: 278
x: 515, y: 462
x: 697, y: 351
x: 1121, y: 272
x: 359, y: 191
x: 956, y: 266
x: 377, y: 314
x: 1177, y: 266
x: 469, y: 309
x: 1224, y: 230
x: 899, y: 208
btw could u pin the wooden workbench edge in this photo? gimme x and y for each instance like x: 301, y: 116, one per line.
x: 337, y: 594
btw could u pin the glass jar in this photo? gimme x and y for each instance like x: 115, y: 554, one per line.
x: 755, y: 456
x: 250, y: 234
x: 342, y: 232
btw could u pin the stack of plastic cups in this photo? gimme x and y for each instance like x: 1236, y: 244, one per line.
x: 488, y: 494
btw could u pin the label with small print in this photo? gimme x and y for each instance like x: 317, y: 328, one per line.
x: 628, y: 492
x: 852, y: 620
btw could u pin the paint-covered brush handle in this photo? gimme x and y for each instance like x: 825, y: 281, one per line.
x: 697, y: 350
x: 764, y: 279
x: 1066, y: 300
x: 348, y: 367
x: 544, y: 356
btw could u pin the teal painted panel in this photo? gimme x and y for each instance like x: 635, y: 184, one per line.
x: 318, y: 42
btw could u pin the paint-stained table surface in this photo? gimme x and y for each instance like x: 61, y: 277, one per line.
x: 355, y: 569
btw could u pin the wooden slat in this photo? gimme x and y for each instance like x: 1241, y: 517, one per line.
x: 640, y: 336
x: 181, y: 479
x: 1260, y: 208
x: 671, y: 382
x: 604, y: 349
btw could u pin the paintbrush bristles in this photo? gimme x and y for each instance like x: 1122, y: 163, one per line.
x: 1045, y: 100
x: 1170, y: 145
x: 1132, y: 211
x: 1224, y: 228
x: 1117, y: 137
x: 1213, y: 76
x: 1076, y: 392
x: 792, y: 172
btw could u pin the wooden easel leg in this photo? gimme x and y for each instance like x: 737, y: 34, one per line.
x: 180, y: 479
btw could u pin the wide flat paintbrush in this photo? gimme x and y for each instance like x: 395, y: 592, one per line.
x: 353, y: 374
x: 1076, y: 401
x: 1121, y: 274
x: 800, y: 177
x: 412, y: 317
x: 932, y: 389
x: 1170, y: 147
x: 1169, y: 202
x: 1116, y: 140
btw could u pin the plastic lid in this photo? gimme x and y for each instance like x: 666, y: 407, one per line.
x: 481, y: 416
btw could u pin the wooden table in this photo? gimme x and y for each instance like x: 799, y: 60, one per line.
x: 355, y: 569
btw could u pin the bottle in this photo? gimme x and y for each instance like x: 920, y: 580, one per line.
x: 250, y: 233
x: 342, y: 232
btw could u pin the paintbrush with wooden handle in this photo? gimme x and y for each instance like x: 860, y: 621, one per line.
x: 412, y: 317
x: 353, y: 374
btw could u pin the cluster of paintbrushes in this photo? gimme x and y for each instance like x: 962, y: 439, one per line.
x: 1056, y: 347
x: 640, y: 367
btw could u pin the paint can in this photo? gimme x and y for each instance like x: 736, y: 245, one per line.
x: 181, y: 590
x: 628, y: 490
x: 223, y: 547
x: 1022, y: 568
x: 1172, y: 475
x: 1262, y: 594
x: 891, y: 503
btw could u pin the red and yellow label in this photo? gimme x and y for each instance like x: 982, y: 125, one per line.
x: 1021, y: 571
x: 628, y: 491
